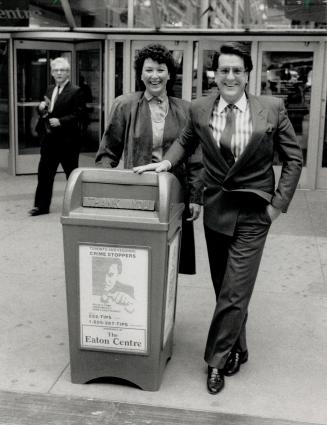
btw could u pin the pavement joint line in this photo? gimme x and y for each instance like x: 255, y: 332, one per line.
x: 59, y: 376
x: 36, y: 408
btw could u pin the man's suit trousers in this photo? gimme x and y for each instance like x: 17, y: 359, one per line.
x: 51, y: 156
x: 234, y: 264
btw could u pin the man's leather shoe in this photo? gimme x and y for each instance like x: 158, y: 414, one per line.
x: 215, y: 380
x: 234, y: 361
x: 37, y: 211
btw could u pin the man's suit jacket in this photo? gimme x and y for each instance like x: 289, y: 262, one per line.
x: 69, y: 109
x: 253, y: 172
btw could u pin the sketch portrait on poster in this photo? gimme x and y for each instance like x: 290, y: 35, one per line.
x: 114, y: 298
x: 172, y: 274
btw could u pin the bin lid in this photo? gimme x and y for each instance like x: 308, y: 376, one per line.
x: 110, y: 194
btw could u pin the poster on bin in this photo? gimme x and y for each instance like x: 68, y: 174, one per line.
x: 113, y: 284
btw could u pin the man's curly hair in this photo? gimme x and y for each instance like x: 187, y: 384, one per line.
x: 160, y: 54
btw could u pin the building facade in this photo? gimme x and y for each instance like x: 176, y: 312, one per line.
x: 287, y: 40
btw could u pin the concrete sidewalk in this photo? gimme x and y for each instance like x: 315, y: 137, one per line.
x: 285, y: 377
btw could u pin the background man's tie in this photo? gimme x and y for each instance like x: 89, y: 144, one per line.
x: 226, y: 135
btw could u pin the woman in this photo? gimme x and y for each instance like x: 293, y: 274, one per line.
x: 128, y: 130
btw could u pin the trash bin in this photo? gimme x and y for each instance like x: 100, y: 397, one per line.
x: 121, y: 234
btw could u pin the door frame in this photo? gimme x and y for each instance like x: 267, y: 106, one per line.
x: 24, y: 164
x: 84, y: 158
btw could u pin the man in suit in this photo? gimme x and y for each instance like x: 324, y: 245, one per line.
x: 58, y: 129
x: 239, y: 135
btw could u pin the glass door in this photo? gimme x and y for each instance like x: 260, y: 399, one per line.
x: 291, y: 71
x: 32, y: 70
x: 89, y: 78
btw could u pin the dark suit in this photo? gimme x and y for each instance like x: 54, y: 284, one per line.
x: 59, y: 145
x: 235, y: 199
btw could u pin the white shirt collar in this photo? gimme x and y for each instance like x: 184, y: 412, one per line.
x: 240, y: 104
x: 149, y: 97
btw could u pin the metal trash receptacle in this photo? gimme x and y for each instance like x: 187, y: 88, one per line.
x: 121, y: 234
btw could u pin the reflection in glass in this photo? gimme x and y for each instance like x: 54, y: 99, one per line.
x: 33, y: 77
x: 178, y: 86
x: 195, y: 70
x: 288, y: 14
x: 100, y: 13
x: 209, y: 85
x: 88, y: 71
x: 143, y: 17
x: 266, y: 14
x: 119, y: 52
x: 180, y: 13
x: 46, y: 13
x: 171, y: 13
x: 288, y: 75
x: 4, y: 111
x: 324, y: 151
x: 238, y: 14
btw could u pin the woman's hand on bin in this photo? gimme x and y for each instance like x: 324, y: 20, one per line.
x: 158, y: 167
x: 195, y: 210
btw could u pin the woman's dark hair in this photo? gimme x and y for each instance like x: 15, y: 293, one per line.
x: 237, y: 49
x: 159, y: 54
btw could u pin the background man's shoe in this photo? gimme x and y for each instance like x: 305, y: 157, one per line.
x: 37, y: 211
x: 234, y: 361
x: 215, y: 380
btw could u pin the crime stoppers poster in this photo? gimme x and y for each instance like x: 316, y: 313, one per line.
x: 114, y: 298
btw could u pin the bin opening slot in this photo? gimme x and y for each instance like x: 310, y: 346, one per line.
x: 119, y: 203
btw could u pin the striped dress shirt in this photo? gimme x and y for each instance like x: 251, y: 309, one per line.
x: 243, y: 123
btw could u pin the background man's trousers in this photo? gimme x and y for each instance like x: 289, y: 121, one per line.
x: 234, y: 263
x: 51, y: 156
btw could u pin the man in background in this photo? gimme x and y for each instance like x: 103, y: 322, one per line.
x: 58, y: 128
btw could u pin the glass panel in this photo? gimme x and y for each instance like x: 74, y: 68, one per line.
x: 288, y: 75
x: 224, y: 14
x: 266, y: 14
x: 100, y: 13
x: 89, y: 78
x: 208, y: 76
x: 288, y: 14
x: 33, y: 77
x: 46, y: 13
x: 324, y: 152
x: 255, y: 14
x: 178, y: 86
x: 195, y: 70
x: 4, y: 96
x: 143, y: 17
x: 119, y: 52
x: 32, y: 13
x: 180, y: 13
x: 177, y: 90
